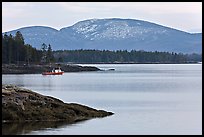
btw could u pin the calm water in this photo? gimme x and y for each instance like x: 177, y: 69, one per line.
x: 146, y: 99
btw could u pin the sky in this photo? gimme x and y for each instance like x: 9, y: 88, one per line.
x: 185, y: 16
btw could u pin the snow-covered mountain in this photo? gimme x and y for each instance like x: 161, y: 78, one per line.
x: 114, y: 34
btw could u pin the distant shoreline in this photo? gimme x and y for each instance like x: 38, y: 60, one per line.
x: 70, y: 67
x: 141, y: 63
x: 38, y: 69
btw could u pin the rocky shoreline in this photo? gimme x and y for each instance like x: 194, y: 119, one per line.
x: 38, y: 69
x: 20, y: 104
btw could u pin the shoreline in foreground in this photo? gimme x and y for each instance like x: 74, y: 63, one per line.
x: 20, y: 104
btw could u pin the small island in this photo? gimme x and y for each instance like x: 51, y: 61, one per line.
x: 20, y: 105
x: 38, y: 69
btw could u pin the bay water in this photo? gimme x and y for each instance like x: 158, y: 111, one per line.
x: 146, y: 99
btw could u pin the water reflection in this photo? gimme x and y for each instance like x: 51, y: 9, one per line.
x: 19, y: 128
x: 148, y: 99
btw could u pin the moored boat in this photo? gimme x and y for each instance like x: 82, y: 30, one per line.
x: 55, y: 71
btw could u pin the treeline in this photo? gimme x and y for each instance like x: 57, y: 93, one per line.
x: 15, y: 51
x: 123, y: 56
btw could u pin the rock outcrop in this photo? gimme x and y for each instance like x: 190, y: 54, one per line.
x: 20, y: 104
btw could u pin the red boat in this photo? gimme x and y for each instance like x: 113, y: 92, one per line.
x: 53, y: 72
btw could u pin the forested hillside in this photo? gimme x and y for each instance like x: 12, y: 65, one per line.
x: 119, y: 56
x: 15, y: 51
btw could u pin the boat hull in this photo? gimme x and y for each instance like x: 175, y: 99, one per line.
x: 52, y: 73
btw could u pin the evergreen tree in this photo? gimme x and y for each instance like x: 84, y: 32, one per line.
x: 11, y: 50
x: 50, y: 56
x: 4, y: 48
x: 44, y: 53
x: 19, y: 43
x: 28, y: 55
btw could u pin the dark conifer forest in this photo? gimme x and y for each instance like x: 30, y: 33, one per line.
x: 15, y: 51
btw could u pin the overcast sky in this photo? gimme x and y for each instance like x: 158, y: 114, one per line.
x: 186, y: 16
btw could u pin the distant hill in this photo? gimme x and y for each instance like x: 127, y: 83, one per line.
x: 113, y: 34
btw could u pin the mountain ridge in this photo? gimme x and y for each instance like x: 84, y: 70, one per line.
x: 113, y: 34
